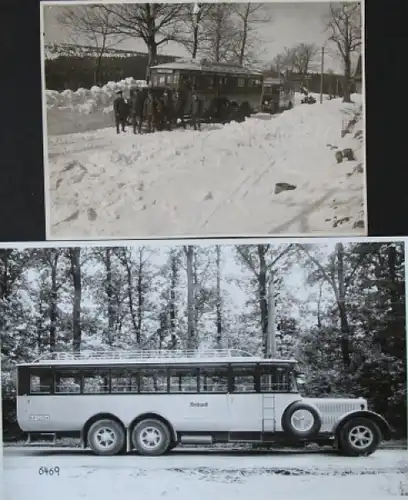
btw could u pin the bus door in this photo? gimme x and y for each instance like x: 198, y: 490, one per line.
x: 244, y: 403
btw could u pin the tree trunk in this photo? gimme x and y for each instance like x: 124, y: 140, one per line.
x: 219, y: 298
x: 347, y: 63
x: 195, y: 41
x: 341, y: 303
x: 109, y: 294
x: 263, y: 299
x: 244, y: 35
x: 130, y: 297
x: 172, y: 304
x: 190, y: 298
x: 53, y: 301
x: 75, y: 256
x: 140, y: 296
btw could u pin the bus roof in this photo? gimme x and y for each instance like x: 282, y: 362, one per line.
x: 205, y: 65
x: 98, y: 358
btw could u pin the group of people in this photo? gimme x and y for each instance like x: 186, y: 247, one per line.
x: 162, y: 112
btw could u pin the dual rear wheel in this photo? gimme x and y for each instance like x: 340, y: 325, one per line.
x: 149, y: 437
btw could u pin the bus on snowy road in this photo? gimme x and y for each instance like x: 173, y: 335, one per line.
x: 151, y: 401
x: 229, y: 91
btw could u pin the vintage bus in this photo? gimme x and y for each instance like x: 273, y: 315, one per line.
x: 277, y: 95
x: 151, y: 401
x: 229, y: 91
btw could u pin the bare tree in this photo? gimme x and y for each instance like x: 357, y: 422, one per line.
x: 90, y: 25
x: 250, y: 16
x: 221, y: 33
x: 154, y: 23
x: 192, y: 34
x: 304, y: 54
x: 344, y: 27
x: 285, y: 61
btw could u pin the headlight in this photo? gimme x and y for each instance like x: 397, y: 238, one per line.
x: 266, y: 102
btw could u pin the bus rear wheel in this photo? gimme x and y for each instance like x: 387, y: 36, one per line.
x: 151, y: 437
x: 106, y: 437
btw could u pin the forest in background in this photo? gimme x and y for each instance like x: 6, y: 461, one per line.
x: 340, y: 309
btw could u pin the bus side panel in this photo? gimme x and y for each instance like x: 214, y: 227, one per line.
x: 189, y: 412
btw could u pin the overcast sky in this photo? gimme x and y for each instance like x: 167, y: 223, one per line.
x: 292, y: 23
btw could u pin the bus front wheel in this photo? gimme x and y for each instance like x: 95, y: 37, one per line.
x: 151, y: 437
x: 106, y: 437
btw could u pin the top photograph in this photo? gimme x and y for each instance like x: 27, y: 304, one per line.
x: 189, y: 120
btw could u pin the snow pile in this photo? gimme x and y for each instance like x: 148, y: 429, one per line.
x: 90, y: 100
x: 221, y: 181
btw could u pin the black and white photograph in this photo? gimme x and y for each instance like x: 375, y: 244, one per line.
x: 227, y: 370
x: 203, y: 119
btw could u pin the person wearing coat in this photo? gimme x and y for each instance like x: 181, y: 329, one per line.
x: 137, y: 110
x: 120, y: 109
x: 196, y: 110
x: 150, y: 111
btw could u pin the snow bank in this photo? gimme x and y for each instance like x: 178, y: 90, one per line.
x: 90, y: 100
x: 217, y: 182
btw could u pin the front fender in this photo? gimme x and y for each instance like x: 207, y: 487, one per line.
x: 383, y: 425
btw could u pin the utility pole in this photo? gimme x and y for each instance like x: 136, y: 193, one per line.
x: 321, y: 75
x: 271, y: 339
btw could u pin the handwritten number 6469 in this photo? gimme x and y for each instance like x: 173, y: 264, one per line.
x: 49, y: 471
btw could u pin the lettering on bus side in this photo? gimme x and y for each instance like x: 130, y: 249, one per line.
x: 39, y: 418
x: 197, y: 404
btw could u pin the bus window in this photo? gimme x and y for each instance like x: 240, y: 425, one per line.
x: 275, y: 379
x: 243, y: 379
x: 124, y: 381
x: 67, y: 382
x: 40, y: 382
x: 176, y: 77
x: 96, y: 382
x: 214, y: 379
x: 169, y: 79
x: 162, y: 79
x: 152, y: 380
x: 183, y: 380
x: 241, y: 82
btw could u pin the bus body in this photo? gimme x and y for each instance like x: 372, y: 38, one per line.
x: 154, y: 400
x: 215, y: 82
x: 277, y: 95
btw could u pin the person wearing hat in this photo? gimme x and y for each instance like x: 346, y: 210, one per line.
x: 120, y: 109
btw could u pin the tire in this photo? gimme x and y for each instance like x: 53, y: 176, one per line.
x: 299, y: 412
x: 151, y: 437
x: 359, y: 437
x: 106, y: 437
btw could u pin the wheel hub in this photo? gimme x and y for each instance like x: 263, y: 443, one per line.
x: 105, y: 437
x: 302, y: 420
x: 361, y: 437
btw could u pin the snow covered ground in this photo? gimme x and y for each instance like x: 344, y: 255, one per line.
x: 220, y: 181
x: 202, y: 475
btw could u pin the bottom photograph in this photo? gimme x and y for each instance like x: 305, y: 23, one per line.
x: 161, y: 369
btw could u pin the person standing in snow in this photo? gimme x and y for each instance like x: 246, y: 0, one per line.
x: 196, y: 108
x: 178, y: 107
x: 120, y: 109
x: 137, y: 105
x: 168, y: 110
x: 149, y: 111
